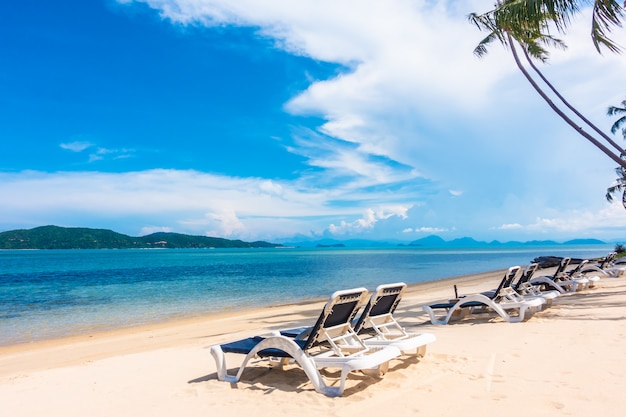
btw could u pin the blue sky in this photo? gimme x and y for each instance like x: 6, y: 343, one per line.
x: 282, y: 120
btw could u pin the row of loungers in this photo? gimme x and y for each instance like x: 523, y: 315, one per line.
x: 517, y: 299
x: 343, y: 339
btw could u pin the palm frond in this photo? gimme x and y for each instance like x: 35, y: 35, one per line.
x: 606, y: 15
x: 618, y: 124
x: 481, y: 48
x: 613, y: 110
x: 614, y: 189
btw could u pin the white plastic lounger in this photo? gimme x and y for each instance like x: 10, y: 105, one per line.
x: 332, y: 343
x: 608, y: 267
x: 502, y: 300
x: 529, y: 291
x: 580, y: 274
x: 561, y: 282
x: 377, y: 326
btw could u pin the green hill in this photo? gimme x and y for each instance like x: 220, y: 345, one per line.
x: 55, y: 237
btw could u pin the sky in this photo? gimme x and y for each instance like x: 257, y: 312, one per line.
x: 284, y: 120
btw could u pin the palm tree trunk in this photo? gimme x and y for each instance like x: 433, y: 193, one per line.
x: 558, y: 111
x: 569, y: 106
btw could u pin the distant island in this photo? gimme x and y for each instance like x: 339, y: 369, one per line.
x: 436, y: 242
x: 55, y: 237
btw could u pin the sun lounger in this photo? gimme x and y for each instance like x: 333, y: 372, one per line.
x: 526, y: 289
x: 560, y: 281
x: 582, y: 275
x: 502, y: 300
x: 332, y: 343
x: 378, y: 327
x: 608, y: 267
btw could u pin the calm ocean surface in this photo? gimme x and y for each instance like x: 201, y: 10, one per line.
x: 54, y: 293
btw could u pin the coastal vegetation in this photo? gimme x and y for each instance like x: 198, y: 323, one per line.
x: 55, y: 237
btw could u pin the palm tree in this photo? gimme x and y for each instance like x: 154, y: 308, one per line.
x: 620, y: 182
x: 618, y: 187
x: 621, y: 122
x: 527, y: 23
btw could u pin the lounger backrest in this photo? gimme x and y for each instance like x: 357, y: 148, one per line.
x: 561, y: 268
x: 340, y: 309
x: 578, y: 268
x: 506, y: 282
x: 384, y: 301
x: 607, y: 260
x: 527, y: 275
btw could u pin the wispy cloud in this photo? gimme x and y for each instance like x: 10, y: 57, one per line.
x: 427, y: 230
x: 77, y: 146
x: 245, y: 208
x: 97, y: 153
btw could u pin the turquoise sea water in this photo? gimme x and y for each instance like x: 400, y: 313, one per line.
x: 55, y: 293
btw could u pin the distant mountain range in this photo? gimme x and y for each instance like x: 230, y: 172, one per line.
x: 55, y: 237
x: 434, y: 241
x: 468, y: 242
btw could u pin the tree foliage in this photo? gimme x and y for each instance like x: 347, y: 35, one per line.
x: 528, y: 23
x: 55, y: 237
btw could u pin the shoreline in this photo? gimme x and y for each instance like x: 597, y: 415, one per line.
x: 565, y: 360
x: 195, y: 318
x: 98, y: 345
x: 42, y: 310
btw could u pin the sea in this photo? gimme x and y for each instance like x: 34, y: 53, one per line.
x: 46, y: 294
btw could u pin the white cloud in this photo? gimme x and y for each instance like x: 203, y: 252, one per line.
x: 147, y: 230
x: 187, y: 201
x: 97, y: 153
x: 510, y: 226
x: 430, y: 230
x: 370, y: 218
x: 198, y: 203
x: 77, y: 146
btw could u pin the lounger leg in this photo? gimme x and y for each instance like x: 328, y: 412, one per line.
x: 421, y: 352
x: 434, y: 319
x: 220, y: 364
x: 307, y: 364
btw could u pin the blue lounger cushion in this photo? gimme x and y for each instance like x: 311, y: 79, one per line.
x: 244, y: 346
x: 450, y: 305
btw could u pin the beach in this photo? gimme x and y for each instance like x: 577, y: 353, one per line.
x: 567, y: 359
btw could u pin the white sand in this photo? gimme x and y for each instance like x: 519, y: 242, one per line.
x: 567, y: 360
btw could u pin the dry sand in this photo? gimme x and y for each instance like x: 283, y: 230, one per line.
x: 567, y: 360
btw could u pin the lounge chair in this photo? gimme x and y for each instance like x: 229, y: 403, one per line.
x: 560, y: 281
x: 332, y: 343
x: 581, y: 274
x: 608, y: 267
x: 526, y: 289
x: 501, y: 300
x: 377, y: 326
